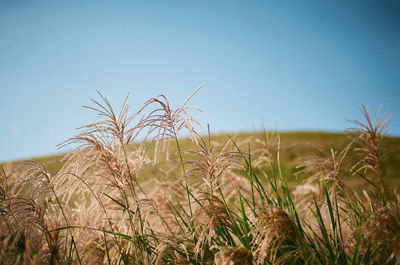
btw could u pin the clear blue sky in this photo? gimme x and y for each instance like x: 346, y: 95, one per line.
x: 294, y: 65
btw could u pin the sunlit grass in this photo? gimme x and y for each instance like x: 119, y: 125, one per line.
x: 250, y: 198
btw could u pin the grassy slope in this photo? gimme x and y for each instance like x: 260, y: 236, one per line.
x: 295, y: 146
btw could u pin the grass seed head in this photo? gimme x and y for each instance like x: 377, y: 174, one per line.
x: 274, y: 232
x: 233, y: 256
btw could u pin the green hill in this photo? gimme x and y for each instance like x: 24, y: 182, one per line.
x: 295, y: 148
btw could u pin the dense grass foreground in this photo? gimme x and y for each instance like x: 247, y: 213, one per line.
x: 210, y: 203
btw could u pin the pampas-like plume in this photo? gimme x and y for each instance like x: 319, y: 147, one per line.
x: 267, y: 152
x: 105, y: 143
x: 274, y: 235
x: 327, y: 168
x: 369, y: 136
x: 23, y: 226
x: 233, y: 256
x: 208, y: 166
x: 207, y: 218
x: 383, y: 231
x: 164, y: 123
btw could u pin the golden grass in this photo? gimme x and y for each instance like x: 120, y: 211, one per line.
x: 226, y: 199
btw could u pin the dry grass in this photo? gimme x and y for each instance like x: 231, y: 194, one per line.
x: 169, y: 200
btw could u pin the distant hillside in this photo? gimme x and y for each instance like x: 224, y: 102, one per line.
x: 295, y: 147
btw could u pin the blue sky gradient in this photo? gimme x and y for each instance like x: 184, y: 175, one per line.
x: 279, y: 64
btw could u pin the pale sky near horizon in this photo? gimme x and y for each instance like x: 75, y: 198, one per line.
x: 290, y: 65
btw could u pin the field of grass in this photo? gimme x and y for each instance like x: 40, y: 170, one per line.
x: 255, y: 198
